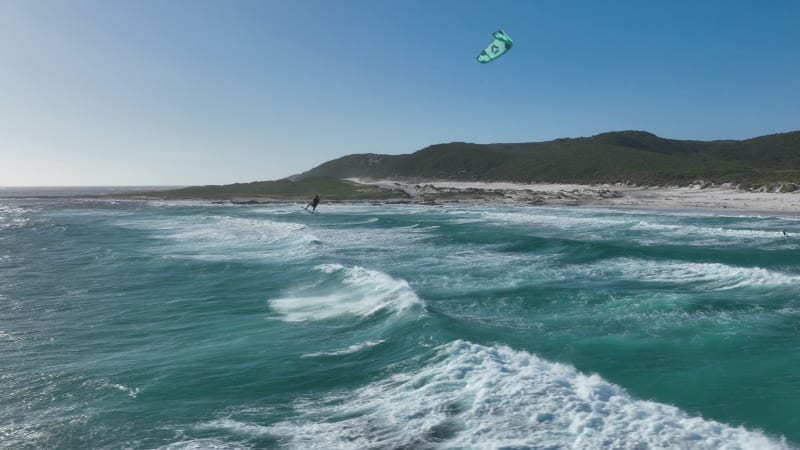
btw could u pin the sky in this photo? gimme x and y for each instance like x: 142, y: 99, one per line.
x: 194, y: 92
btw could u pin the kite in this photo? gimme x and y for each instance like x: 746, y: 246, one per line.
x: 501, y: 44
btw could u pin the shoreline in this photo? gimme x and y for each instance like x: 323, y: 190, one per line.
x: 715, y: 198
x: 706, y: 197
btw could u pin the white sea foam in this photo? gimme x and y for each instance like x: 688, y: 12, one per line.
x: 235, y: 427
x: 204, y: 444
x: 481, y: 270
x: 132, y: 392
x: 6, y: 336
x: 226, y: 237
x: 683, y: 230
x: 391, y: 239
x: 356, y: 291
x: 565, y: 219
x: 357, y: 222
x: 705, y: 276
x: 472, y: 396
x: 789, y: 311
x: 185, y: 203
x: 659, y: 227
x: 227, y: 228
x: 12, y: 216
x: 355, y: 348
x: 12, y: 210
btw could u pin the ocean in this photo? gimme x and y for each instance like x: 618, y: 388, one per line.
x: 191, y: 325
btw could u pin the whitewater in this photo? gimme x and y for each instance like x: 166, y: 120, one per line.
x: 191, y: 325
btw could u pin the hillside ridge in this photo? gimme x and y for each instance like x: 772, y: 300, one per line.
x: 630, y: 156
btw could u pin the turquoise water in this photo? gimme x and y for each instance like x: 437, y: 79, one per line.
x: 191, y: 325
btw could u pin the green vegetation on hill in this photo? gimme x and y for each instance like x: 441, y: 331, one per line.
x: 628, y: 156
x: 328, y: 188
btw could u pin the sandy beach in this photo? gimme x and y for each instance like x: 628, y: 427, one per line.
x: 697, y: 196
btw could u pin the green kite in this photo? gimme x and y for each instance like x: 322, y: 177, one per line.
x: 501, y: 44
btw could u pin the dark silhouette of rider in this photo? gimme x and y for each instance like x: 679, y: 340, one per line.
x: 313, y: 203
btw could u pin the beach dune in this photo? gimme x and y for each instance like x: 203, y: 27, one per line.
x: 698, y: 195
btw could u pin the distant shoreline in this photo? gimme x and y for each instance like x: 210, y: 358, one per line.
x: 612, y: 196
x: 696, y: 197
x: 73, y: 191
x: 692, y: 197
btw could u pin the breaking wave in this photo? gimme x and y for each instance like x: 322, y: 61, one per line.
x: 347, y: 291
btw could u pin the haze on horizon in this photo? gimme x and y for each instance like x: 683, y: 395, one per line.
x: 211, y: 92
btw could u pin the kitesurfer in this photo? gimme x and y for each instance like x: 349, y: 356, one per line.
x: 313, y: 203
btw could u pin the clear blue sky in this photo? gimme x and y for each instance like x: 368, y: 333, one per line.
x: 171, y: 92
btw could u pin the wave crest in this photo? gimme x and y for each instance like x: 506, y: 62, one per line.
x: 473, y: 396
x: 348, y: 291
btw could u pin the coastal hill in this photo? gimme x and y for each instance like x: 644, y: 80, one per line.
x: 635, y: 157
x: 767, y: 163
x: 286, y: 190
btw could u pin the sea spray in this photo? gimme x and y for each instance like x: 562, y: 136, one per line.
x: 473, y: 396
x: 349, y: 291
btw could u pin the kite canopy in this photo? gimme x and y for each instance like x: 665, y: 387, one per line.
x: 501, y: 44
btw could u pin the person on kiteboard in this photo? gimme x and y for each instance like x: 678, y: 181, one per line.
x: 313, y: 203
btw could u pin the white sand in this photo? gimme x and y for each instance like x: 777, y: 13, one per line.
x: 601, y: 195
